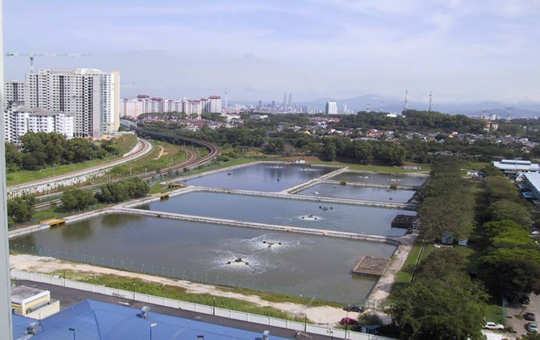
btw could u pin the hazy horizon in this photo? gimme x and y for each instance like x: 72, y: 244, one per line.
x: 465, y: 51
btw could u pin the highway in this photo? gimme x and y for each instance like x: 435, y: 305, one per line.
x: 142, y: 148
x: 68, y: 297
x: 190, y: 163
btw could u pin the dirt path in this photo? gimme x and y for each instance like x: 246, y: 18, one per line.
x: 161, y: 149
x: 47, y: 265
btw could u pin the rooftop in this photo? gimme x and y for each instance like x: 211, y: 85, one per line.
x: 534, y: 179
x: 20, y: 293
x: 511, y: 165
x: 98, y: 320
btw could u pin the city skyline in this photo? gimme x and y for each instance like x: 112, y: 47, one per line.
x: 464, y: 51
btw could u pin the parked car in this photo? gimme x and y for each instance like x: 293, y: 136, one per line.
x: 529, y: 316
x: 353, y: 308
x: 493, y: 325
x: 532, y: 327
x: 348, y: 321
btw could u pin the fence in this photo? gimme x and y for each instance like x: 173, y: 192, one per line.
x: 195, y: 307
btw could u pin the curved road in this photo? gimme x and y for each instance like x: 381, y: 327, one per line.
x: 142, y: 148
x: 190, y: 163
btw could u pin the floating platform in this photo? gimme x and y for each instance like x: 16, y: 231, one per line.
x: 57, y: 222
x: 371, y: 266
x: 176, y: 185
x: 161, y: 196
x: 405, y: 222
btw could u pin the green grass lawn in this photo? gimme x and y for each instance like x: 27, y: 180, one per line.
x: 179, y: 293
x: 156, y: 160
x: 221, y: 165
x: 124, y: 144
x: 377, y: 168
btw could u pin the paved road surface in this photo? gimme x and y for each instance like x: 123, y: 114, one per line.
x: 68, y: 297
x: 143, y: 147
x: 518, y: 310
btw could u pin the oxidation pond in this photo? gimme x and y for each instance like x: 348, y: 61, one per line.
x: 358, y: 192
x: 302, y: 265
x: 381, y: 178
x: 261, y: 177
x: 290, y: 212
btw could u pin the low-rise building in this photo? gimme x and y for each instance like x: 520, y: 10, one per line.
x: 18, y: 120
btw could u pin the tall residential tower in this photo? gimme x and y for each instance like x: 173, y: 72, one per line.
x: 92, y: 96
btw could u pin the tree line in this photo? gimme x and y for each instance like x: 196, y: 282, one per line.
x: 510, y: 264
x: 40, y: 150
x: 21, y: 209
x: 414, y: 120
x: 447, y: 203
x: 269, y: 139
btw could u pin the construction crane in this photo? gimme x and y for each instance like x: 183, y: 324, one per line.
x: 32, y: 55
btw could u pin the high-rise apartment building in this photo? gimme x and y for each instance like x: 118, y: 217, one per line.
x: 331, y: 108
x: 18, y: 120
x: 92, y: 96
x: 13, y: 92
x: 214, y: 104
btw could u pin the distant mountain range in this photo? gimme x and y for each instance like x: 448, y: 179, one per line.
x: 378, y: 103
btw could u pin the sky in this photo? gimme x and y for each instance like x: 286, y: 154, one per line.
x: 462, y: 50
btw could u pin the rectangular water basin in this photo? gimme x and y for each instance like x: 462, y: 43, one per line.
x: 311, y: 266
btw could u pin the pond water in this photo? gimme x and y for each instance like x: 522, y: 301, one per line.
x: 301, y: 265
x: 381, y: 178
x: 261, y: 177
x: 289, y: 212
x: 358, y: 192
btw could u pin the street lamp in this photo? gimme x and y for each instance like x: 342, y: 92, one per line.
x: 152, y: 325
x: 73, y: 330
x: 214, y: 310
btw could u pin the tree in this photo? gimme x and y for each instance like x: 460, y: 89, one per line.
x: 116, y: 192
x: 77, y: 199
x: 441, y: 263
x: 449, y: 308
x: 441, y: 303
x: 21, y: 209
x: 13, y: 157
x: 329, y: 151
x: 499, y: 188
x: 509, y: 210
x: 511, y: 272
x: 369, y: 318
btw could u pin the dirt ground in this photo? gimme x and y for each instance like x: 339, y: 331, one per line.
x: 47, y: 265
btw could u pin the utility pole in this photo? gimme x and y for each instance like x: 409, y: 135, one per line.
x: 6, y: 331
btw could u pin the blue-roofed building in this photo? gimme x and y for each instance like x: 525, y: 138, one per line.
x: 93, y: 320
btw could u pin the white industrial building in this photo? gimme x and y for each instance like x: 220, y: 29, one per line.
x: 513, y: 166
x: 18, y: 120
x: 532, y: 181
x: 92, y: 96
x: 331, y: 108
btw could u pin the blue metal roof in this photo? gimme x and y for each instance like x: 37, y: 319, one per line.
x: 92, y: 320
